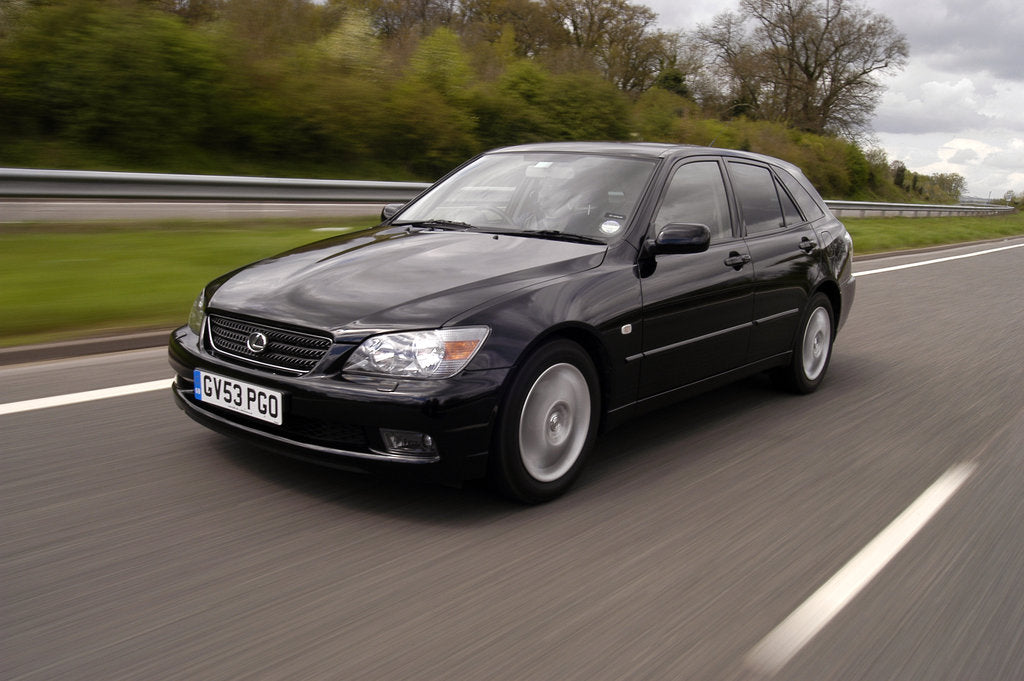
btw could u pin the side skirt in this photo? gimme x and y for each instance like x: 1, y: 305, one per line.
x: 624, y: 413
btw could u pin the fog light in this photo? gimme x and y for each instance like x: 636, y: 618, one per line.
x: 408, y: 443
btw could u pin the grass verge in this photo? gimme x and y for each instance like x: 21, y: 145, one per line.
x: 60, y: 281
x: 64, y: 281
x: 879, y: 235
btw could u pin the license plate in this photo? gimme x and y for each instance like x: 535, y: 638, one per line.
x: 239, y: 396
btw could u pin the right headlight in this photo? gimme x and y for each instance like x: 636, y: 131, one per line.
x: 440, y: 353
x: 198, y: 313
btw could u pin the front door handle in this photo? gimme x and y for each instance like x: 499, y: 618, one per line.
x: 806, y: 245
x: 737, y: 260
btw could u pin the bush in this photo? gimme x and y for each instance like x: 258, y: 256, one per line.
x: 123, y: 77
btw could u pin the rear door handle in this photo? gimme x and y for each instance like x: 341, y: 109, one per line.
x: 737, y: 260
x: 806, y: 245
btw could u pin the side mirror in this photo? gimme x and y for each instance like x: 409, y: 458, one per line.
x: 390, y: 210
x: 680, y: 238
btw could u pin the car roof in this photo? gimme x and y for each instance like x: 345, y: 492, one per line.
x: 652, y: 150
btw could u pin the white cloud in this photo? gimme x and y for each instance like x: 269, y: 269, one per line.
x: 991, y: 162
x: 965, y: 151
x: 920, y: 101
x: 962, y: 36
x: 958, y: 106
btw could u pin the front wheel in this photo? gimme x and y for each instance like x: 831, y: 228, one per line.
x: 812, y: 349
x: 548, y: 424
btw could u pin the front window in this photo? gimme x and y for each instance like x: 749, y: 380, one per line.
x: 583, y: 195
x: 696, y: 194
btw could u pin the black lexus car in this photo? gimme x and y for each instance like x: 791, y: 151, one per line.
x: 535, y: 296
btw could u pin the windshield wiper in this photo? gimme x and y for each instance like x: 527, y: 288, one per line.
x: 562, y: 236
x: 438, y: 224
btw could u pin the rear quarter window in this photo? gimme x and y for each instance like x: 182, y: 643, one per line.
x: 808, y: 204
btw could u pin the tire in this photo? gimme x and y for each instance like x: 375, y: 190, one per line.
x: 812, y: 348
x: 547, y: 425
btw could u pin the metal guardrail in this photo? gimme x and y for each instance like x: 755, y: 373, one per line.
x: 30, y: 183
x: 866, y: 209
x: 79, y: 184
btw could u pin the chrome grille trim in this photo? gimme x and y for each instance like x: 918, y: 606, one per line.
x: 290, y: 351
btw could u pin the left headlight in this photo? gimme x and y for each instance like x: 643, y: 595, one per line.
x: 440, y: 353
x: 198, y: 313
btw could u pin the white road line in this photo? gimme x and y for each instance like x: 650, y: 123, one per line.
x: 937, y: 260
x: 786, y: 640
x: 87, y: 396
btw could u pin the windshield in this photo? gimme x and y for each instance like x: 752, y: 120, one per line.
x: 549, y: 194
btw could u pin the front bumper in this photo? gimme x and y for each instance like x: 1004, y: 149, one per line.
x: 335, y: 420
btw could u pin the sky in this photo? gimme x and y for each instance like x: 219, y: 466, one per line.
x: 957, y: 107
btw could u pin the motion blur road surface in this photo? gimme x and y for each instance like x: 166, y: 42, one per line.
x: 137, y: 545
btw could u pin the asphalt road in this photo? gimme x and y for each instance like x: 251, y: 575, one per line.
x: 76, y: 210
x: 137, y: 545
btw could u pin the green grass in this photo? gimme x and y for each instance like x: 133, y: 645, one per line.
x: 62, y: 281
x: 878, y: 235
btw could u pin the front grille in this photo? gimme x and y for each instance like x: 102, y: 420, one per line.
x: 290, y: 351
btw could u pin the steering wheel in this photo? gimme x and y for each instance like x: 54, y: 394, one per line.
x: 502, y: 216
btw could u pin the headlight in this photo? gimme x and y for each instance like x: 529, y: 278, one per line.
x: 198, y: 313
x: 441, y: 353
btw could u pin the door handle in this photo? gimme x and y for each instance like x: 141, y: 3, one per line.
x: 736, y: 260
x: 806, y: 245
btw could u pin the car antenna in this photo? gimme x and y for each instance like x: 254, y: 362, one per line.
x: 713, y: 142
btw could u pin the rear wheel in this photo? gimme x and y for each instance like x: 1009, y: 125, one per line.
x: 812, y: 349
x: 548, y: 424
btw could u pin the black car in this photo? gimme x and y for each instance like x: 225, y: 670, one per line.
x: 533, y: 297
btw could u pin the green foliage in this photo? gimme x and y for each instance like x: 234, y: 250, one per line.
x: 513, y: 110
x: 587, y: 107
x: 657, y: 113
x: 875, y: 235
x: 673, y: 80
x: 296, y: 87
x: 117, y: 76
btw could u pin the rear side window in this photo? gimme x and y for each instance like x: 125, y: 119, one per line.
x: 789, y: 209
x: 807, y: 203
x: 759, y: 201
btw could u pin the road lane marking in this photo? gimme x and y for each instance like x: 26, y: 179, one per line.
x: 87, y: 396
x: 786, y: 640
x: 936, y: 260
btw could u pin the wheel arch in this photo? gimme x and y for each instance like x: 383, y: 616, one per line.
x: 835, y: 298
x: 587, y: 338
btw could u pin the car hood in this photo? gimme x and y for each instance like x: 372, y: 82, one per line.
x: 394, y: 278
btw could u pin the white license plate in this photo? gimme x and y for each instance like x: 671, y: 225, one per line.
x: 244, y: 398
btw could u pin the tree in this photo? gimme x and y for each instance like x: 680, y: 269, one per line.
x: 430, y: 126
x: 530, y: 24
x: 192, y: 11
x: 809, y: 63
x: 898, y: 170
x: 619, y: 35
x: 398, y: 19
x: 948, y: 187
x: 126, y: 78
x: 10, y: 13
